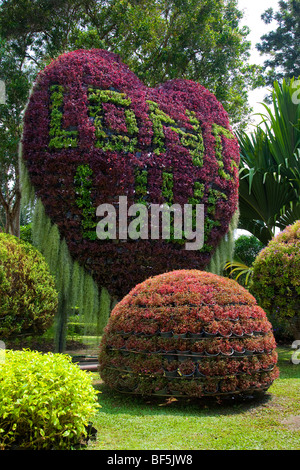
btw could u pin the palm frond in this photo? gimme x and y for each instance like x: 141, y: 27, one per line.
x: 269, y: 193
x: 239, y: 269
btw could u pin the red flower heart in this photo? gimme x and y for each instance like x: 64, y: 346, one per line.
x: 93, y: 132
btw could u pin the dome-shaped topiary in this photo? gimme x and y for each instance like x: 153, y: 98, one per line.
x: 276, y: 276
x: 191, y: 333
x: 28, y: 298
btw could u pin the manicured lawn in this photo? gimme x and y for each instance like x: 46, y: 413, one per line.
x: 268, y: 423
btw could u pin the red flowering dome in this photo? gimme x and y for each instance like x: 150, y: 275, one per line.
x: 190, y: 333
x: 93, y: 132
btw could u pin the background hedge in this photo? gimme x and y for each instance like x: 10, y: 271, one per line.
x: 28, y: 297
x: 276, y: 277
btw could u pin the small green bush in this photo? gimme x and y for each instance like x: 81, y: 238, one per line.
x: 28, y: 298
x: 46, y: 401
x: 276, y: 275
x: 26, y: 233
x: 247, y: 249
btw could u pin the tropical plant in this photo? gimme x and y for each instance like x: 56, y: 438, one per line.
x: 237, y: 270
x: 245, y: 252
x: 270, y: 167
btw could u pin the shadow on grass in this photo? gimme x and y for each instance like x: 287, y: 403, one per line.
x: 114, y: 402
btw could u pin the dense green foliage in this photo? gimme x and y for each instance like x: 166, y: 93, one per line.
x: 276, y: 274
x: 17, y: 88
x: 281, y: 45
x: 245, y: 252
x: 28, y: 298
x: 46, y: 402
x: 26, y: 233
x: 159, y: 40
x: 247, y: 248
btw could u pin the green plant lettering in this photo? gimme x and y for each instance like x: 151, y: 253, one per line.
x: 60, y: 138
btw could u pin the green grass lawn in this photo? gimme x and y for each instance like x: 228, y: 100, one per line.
x: 271, y: 422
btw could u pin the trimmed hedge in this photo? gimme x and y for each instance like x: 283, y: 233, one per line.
x: 28, y: 297
x: 276, y: 276
x: 188, y: 333
x: 46, y: 402
x: 94, y: 132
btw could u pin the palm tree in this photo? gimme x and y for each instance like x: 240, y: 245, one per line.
x: 270, y: 167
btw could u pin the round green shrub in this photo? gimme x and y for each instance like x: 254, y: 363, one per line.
x: 46, y: 401
x: 247, y: 249
x: 28, y: 298
x: 276, y: 275
x: 189, y: 333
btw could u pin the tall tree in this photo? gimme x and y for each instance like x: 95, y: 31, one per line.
x: 165, y: 39
x: 17, y: 86
x: 282, y: 45
x: 30, y: 34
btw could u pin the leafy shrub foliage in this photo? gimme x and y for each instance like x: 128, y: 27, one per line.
x: 188, y: 333
x: 247, y: 248
x: 94, y: 132
x: 46, y: 402
x: 26, y: 233
x: 28, y: 298
x: 276, y: 274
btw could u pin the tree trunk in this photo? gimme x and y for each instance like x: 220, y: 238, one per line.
x: 13, y: 221
x: 12, y: 209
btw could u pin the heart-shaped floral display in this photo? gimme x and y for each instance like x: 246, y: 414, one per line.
x: 93, y: 133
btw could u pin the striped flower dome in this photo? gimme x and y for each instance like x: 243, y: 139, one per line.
x: 188, y: 333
